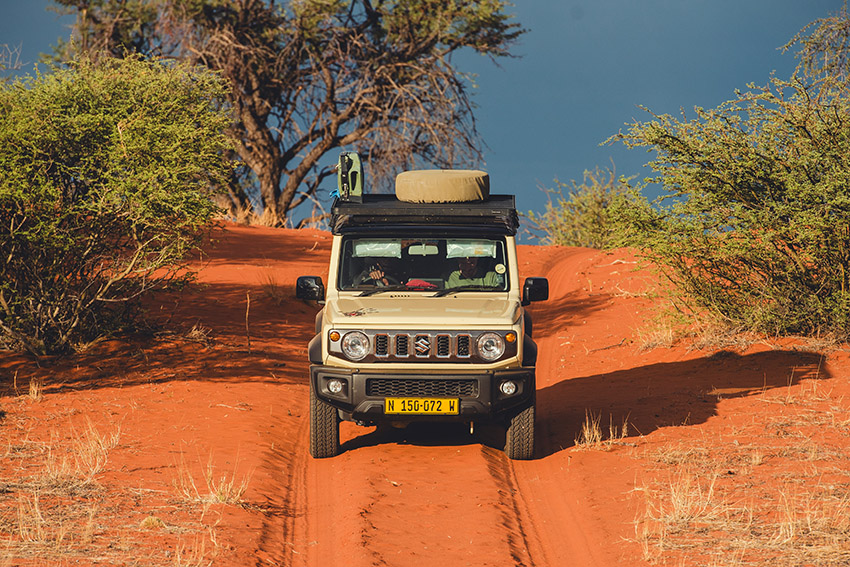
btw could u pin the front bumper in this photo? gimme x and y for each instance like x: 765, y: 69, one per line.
x: 362, y: 397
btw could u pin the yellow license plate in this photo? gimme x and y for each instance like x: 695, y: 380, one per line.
x: 422, y: 406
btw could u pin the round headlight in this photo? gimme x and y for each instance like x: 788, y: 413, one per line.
x: 355, y: 345
x: 491, y: 346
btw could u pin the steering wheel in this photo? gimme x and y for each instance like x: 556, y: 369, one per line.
x: 380, y: 281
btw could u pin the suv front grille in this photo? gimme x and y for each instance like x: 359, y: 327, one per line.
x: 421, y: 388
x: 422, y: 346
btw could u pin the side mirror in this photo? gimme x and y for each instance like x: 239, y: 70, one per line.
x: 535, y: 289
x: 310, y: 288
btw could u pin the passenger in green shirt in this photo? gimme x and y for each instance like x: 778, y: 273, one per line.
x: 468, y: 274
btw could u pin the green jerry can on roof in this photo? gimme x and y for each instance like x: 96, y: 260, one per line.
x: 350, y: 177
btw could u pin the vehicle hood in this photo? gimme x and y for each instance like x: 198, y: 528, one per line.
x: 400, y: 311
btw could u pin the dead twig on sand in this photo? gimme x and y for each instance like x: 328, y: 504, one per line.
x: 247, y: 311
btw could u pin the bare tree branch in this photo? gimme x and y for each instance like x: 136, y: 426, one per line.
x: 10, y: 57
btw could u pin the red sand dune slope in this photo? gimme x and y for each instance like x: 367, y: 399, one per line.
x: 232, y: 398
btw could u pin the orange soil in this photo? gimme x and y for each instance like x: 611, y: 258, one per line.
x: 237, y: 401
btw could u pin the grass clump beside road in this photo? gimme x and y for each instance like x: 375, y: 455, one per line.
x: 55, y: 506
x: 219, y: 488
x: 49, y: 495
x: 774, y: 489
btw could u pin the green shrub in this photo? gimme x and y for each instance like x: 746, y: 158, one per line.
x: 581, y: 217
x: 105, y: 177
x: 754, y: 228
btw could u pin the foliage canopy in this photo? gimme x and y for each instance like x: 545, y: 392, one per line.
x: 755, y: 226
x: 581, y: 217
x: 105, y: 177
x: 308, y: 77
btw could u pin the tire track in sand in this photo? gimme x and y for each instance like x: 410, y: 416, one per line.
x: 296, y: 522
x: 441, y: 499
x: 553, y: 499
x: 519, y: 530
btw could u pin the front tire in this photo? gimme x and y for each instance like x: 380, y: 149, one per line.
x: 324, y: 428
x: 519, y: 441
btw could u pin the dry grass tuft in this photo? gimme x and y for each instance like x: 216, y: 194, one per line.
x: 656, y: 336
x: 199, y: 334
x: 152, y: 523
x: 272, y: 290
x: 247, y: 216
x: 219, y: 488
x: 195, y: 555
x: 36, y: 389
x: 591, y: 436
x: 80, y: 462
x: 716, y: 337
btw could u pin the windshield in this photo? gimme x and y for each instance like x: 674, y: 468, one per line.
x: 427, y: 264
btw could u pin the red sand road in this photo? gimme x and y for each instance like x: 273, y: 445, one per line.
x: 235, y: 398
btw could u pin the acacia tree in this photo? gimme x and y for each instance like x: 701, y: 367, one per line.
x: 755, y: 224
x: 308, y: 77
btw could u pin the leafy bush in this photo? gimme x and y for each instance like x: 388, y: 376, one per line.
x: 581, y: 217
x: 105, y: 177
x: 755, y: 226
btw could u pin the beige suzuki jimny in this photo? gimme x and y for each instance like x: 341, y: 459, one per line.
x: 424, y: 314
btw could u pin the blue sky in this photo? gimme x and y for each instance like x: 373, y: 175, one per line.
x: 584, y: 67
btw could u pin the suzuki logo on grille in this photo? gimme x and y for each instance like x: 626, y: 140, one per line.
x: 422, y: 345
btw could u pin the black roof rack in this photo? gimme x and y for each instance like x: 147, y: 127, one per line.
x: 497, y: 211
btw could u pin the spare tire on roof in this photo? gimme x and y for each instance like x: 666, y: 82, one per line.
x: 442, y: 186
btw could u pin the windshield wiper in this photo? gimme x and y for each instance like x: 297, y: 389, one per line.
x: 382, y: 289
x: 444, y: 292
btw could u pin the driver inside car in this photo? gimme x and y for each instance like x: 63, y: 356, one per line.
x: 380, y: 272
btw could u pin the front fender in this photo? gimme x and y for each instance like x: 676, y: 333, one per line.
x: 314, y: 349
x: 529, y: 352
